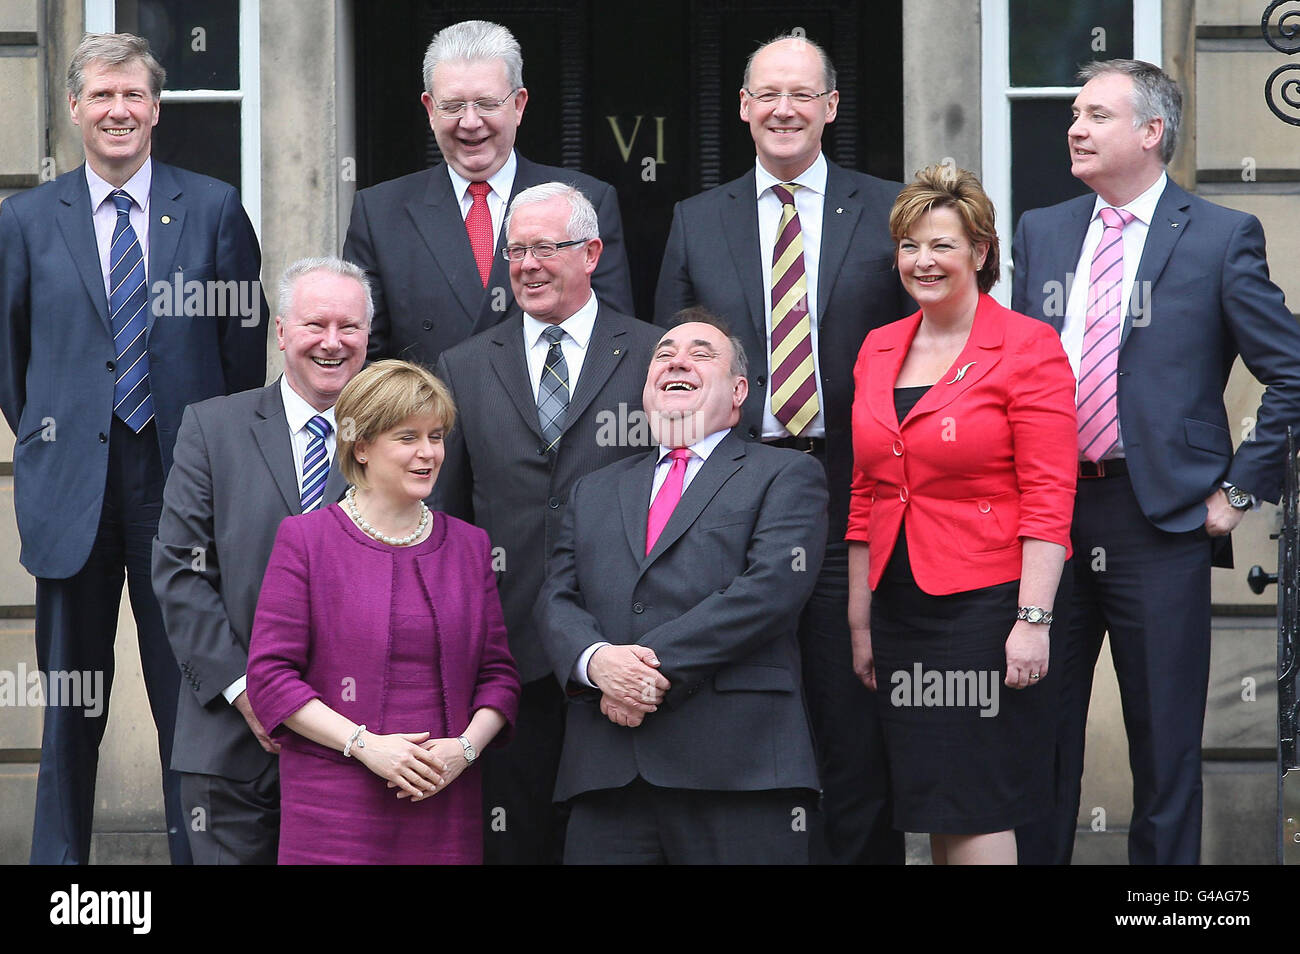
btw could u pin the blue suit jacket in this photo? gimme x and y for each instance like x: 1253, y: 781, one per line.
x: 56, y: 382
x: 1210, y: 299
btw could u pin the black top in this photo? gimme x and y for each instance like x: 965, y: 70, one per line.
x: 906, y: 398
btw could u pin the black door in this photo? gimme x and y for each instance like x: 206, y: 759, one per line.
x: 644, y: 96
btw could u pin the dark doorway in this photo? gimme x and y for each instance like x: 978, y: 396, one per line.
x: 644, y: 96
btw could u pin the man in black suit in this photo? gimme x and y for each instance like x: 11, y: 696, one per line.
x: 534, y: 416
x: 1152, y: 338
x: 98, y: 359
x: 243, y: 463
x: 431, y: 241
x: 671, y: 609
x: 835, y: 281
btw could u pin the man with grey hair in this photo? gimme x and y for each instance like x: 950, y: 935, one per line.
x: 431, y: 241
x: 803, y: 270
x: 243, y: 463
x: 97, y: 367
x: 1155, y: 293
x: 543, y: 398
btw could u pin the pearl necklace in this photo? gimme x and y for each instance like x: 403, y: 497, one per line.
x: 361, y: 522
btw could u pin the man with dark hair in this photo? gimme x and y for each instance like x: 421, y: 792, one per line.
x: 95, y: 373
x: 1167, y: 291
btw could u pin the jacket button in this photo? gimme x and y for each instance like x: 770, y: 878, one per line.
x: 638, y: 607
x: 898, y: 448
x: 903, y: 494
x: 985, y: 506
x: 553, y: 503
x: 427, y: 325
x: 103, y: 438
x: 109, y: 366
x: 753, y: 433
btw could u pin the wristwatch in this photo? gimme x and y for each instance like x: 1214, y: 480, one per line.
x: 1034, y: 614
x: 471, y: 753
x: 1237, y: 497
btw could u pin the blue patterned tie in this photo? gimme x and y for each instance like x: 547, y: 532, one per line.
x: 127, y: 301
x: 553, y: 395
x: 316, y: 465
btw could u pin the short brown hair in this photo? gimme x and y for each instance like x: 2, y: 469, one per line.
x: 944, y: 185
x: 114, y: 50
x: 378, y: 399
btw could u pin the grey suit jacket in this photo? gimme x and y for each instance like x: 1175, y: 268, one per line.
x: 712, y: 259
x: 56, y: 343
x: 409, y: 236
x: 718, y: 599
x: 232, y: 483
x: 494, y: 474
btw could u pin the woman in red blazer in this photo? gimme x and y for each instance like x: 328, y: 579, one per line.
x: 965, y: 445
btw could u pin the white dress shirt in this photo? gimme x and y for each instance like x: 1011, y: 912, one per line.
x: 104, y: 215
x: 700, y: 452
x: 498, y: 197
x: 808, y: 202
x: 577, y: 335
x: 1135, y: 238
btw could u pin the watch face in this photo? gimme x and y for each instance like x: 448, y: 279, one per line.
x: 1238, y: 498
x: 1035, y: 615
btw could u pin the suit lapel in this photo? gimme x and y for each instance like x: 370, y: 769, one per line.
x: 740, y: 226
x: 604, y: 352
x: 511, y: 369
x: 1063, y: 254
x: 166, y: 221
x: 726, y: 459
x: 436, y: 217
x: 981, y: 354
x: 634, y: 500
x: 841, y: 211
x: 889, y: 349
x: 78, y: 228
x: 1168, y: 223
x: 271, y: 433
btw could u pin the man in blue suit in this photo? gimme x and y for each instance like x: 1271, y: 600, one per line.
x: 98, y: 364
x: 1155, y: 293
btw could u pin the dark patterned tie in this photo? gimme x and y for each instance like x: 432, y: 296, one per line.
x: 127, y: 304
x: 794, y: 378
x: 316, y: 465
x: 553, y: 395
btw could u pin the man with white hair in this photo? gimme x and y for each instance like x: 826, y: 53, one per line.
x: 431, y: 241
x: 544, y: 398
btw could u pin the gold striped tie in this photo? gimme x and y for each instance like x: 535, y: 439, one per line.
x: 794, y: 378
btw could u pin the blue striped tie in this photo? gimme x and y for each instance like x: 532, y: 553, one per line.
x: 127, y: 301
x: 316, y: 465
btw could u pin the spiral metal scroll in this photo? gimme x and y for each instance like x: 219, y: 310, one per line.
x: 1287, y: 90
x: 1287, y: 27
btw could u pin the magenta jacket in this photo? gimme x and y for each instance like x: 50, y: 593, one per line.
x: 322, y: 626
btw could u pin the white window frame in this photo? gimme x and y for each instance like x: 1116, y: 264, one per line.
x: 997, y: 95
x: 101, y: 17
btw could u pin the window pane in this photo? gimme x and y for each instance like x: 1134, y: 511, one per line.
x: 1049, y: 40
x: 1040, y: 172
x: 196, y: 41
x: 201, y: 137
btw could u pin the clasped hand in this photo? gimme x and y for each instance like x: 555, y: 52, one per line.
x: 630, y: 682
x: 410, y: 761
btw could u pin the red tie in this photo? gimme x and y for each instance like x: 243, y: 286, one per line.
x: 479, y: 226
x: 666, y: 500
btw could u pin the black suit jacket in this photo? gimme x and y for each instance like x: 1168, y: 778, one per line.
x: 409, y: 236
x: 857, y: 290
x: 718, y: 599
x: 1209, y: 299
x: 494, y: 474
x: 232, y: 483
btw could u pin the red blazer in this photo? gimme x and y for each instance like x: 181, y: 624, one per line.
x: 988, y: 456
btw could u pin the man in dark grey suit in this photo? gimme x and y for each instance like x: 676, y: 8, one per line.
x: 841, y: 284
x: 431, y: 241
x: 519, y: 443
x: 671, y: 607
x: 98, y: 359
x: 243, y: 463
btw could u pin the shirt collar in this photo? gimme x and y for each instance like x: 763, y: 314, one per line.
x: 1143, y: 208
x: 296, y: 410
x: 814, y: 177
x: 137, y: 187
x: 701, y: 448
x: 500, y: 182
x: 577, y: 326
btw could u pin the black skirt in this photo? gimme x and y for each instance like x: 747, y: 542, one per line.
x: 967, y: 755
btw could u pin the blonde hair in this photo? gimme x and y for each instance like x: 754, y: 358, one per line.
x: 943, y: 185
x: 378, y: 399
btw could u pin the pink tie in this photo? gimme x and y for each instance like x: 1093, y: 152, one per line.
x: 666, y: 500
x: 479, y: 226
x: 1099, y: 363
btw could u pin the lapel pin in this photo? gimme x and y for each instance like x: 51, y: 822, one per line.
x: 1173, y: 225
x: 166, y: 220
x: 618, y: 350
x: 839, y: 211
x: 961, y: 372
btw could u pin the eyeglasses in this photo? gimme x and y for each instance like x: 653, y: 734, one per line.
x: 516, y: 253
x: 484, y: 107
x: 767, y: 97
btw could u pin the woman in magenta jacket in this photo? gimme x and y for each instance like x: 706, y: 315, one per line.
x: 965, y: 455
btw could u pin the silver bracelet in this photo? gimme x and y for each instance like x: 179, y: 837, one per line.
x: 356, y: 738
